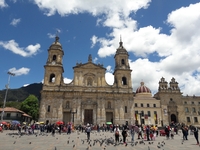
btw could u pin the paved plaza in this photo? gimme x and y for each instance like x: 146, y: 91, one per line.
x: 9, y: 140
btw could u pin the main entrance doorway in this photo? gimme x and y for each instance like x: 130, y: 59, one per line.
x: 109, y: 117
x: 88, y: 116
x: 67, y: 117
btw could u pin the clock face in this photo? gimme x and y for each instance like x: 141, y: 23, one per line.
x: 53, y: 63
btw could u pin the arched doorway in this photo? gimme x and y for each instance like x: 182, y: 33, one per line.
x: 173, y: 118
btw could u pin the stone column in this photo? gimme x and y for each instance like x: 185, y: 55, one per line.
x: 94, y: 115
x: 103, y: 113
x: 60, y: 112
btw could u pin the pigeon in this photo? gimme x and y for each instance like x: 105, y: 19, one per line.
x: 126, y: 144
x: 148, y: 148
x: 73, y: 146
x: 29, y: 142
x: 14, y: 142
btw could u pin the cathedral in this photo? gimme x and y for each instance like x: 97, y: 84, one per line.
x: 90, y: 99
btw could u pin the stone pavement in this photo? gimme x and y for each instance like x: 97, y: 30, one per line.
x: 9, y: 140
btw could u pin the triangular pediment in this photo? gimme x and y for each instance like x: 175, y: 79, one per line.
x: 89, y: 65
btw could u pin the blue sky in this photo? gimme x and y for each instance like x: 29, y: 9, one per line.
x: 161, y: 36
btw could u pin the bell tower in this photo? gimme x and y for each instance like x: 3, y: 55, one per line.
x: 54, y: 67
x: 122, y: 72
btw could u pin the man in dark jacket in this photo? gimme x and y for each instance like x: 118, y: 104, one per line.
x: 195, y: 130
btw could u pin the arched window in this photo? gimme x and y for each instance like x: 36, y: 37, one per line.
x: 124, y: 82
x: 122, y: 61
x: 89, y: 82
x: 109, y: 104
x: 67, y: 104
x: 52, y: 78
x: 54, y: 57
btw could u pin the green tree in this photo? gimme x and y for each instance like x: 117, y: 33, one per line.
x: 31, y: 106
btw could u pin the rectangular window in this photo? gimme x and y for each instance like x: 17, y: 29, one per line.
x: 147, y: 105
x: 149, y: 113
x: 142, y: 113
x: 188, y: 119
x: 135, y: 104
x: 195, y: 119
x: 141, y: 105
x: 136, y: 112
x: 186, y: 109
x: 185, y: 102
x: 8, y: 115
x: 125, y: 109
x: 192, y: 102
x: 154, y: 105
x: 48, y: 109
x: 193, y: 109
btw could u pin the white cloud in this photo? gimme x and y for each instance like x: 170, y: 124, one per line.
x: 97, y: 7
x: 109, y: 78
x: 14, y: 47
x: 19, y: 72
x: 66, y: 80
x: 3, y: 4
x: 94, y: 40
x: 51, y: 36
x: 25, y: 85
x: 95, y: 60
x: 15, y: 22
x: 109, y: 69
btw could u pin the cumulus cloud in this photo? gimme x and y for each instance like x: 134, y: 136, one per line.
x: 66, y: 80
x: 19, y: 72
x: 3, y: 4
x: 25, y: 52
x: 94, y: 40
x: 95, y: 8
x: 15, y: 22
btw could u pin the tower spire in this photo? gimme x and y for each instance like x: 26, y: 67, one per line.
x: 121, y: 43
x: 57, y: 38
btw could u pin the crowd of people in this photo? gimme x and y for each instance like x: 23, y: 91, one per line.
x: 144, y: 132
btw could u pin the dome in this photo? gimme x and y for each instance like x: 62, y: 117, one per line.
x: 143, y: 89
x: 56, y: 44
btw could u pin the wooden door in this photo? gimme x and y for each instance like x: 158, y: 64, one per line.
x: 88, y: 116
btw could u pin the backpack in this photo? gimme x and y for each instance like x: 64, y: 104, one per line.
x: 116, y: 132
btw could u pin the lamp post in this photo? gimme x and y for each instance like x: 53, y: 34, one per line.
x: 7, y: 87
x: 73, y: 112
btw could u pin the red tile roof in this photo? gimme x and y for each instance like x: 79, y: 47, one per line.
x: 12, y: 109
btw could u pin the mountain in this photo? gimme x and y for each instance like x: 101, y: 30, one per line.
x: 22, y: 93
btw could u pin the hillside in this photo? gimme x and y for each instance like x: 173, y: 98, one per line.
x: 22, y: 93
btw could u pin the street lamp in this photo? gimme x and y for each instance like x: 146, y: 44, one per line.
x: 7, y: 87
x: 73, y: 112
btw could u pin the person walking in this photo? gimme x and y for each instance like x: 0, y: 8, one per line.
x: 196, y: 135
x: 124, y: 134
x: 88, y: 130
x: 140, y: 130
x: 132, y: 131
x: 116, y: 132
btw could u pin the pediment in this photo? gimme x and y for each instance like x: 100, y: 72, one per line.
x: 89, y: 66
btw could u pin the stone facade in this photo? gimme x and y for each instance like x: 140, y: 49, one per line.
x: 90, y: 99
